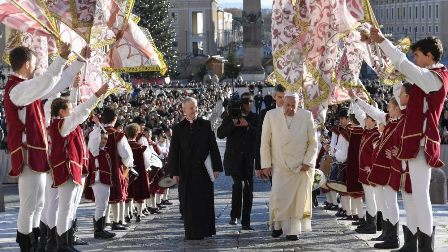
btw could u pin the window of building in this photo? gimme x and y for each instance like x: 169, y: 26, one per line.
x: 381, y: 13
x: 436, y: 28
x: 423, y: 11
x: 403, y: 15
x: 423, y: 29
x: 429, y: 11
x: 198, y: 22
x: 410, y: 13
x: 392, y: 14
x: 416, y: 12
x: 198, y: 48
x: 387, y: 13
x: 437, y: 11
x: 429, y: 29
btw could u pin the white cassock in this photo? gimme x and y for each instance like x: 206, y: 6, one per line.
x: 286, y: 144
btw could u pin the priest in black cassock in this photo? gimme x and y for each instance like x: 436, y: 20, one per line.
x: 192, y: 141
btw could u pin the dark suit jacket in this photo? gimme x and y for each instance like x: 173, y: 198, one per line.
x: 190, y: 146
x: 239, y: 156
x: 258, y: 140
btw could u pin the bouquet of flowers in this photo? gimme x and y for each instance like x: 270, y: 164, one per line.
x: 319, y: 179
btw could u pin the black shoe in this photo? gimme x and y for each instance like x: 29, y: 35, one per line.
x: 167, y: 202
x: 233, y: 221
x: 410, y: 241
x: 334, y: 208
x: 341, y: 213
x: 292, y: 237
x: 147, y: 211
x: 392, y: 240
x: 138, y: 218
x: 359, y: 222
x: 127, y: 219
x: 425, y: 242
x: 369, y: 227
x: 154, y: 211
x: 160, y: 206
x: 347, y: 218
x: 124, y: 224
x: 26, y: 242
x: 383, y: 234
x: 130, y: 215
x: 99, y: 232
x: 118, y: 226
x: 247, y: 227
x: 277, y: 233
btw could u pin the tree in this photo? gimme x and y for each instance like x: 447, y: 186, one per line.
x: 155, y: 17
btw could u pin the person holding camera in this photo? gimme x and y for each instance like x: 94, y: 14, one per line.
x: 240, y: 128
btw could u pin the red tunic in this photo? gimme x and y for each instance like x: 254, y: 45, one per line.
x: 118, y: 189
x: 381, y: 169
x: 68, y: 154
x: 139, y: 189
x: 104, y: 168
x: 413, y: 127
x: 36, y: 141
x: 403, y: 178
x: 370, y: 138
x: 354, y: 134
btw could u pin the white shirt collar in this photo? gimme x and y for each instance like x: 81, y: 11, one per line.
x: 19, y: 76
x: 436, y: 65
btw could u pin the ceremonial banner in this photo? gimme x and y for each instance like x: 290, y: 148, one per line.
x: 25, y: 16
x: 39, y: 45
x: 135, y: 52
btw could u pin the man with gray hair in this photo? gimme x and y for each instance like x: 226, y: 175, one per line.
x: 288, y: 154
x: 193, y: 140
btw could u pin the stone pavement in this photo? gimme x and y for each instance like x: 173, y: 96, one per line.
x: 164, y: 232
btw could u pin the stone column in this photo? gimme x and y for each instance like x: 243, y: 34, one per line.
x: 252, y: 34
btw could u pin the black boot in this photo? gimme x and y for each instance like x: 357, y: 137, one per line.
x: 52, y: 245
x: 43, y: 237
x: 99, y: 232
x: 369, y: 227
x: 118, y: 226
x: 26, y: 242
x: 75, y: 240
x: 410, y: 241
x: 36, y: 235
x: 392, y: 240
x: 383, y: 234
x: 63, y: 242
x: 425, y: 242
x: 379, y: 221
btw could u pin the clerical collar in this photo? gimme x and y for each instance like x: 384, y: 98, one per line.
x: 436, y: 65
x: 19, y: 76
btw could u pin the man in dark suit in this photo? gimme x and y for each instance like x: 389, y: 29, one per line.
x: 279, y: 94
x: 239, y: 157
x: 192, y: 141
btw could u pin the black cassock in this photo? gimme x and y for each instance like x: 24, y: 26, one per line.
x: 190, y: 145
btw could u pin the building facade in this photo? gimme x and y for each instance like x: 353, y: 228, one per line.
x: 415, y: 19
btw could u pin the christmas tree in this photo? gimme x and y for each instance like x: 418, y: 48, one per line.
x: 155, y: 17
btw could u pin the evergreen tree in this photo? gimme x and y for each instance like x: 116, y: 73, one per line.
x: 155, y: 17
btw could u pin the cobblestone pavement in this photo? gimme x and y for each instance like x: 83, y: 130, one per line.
x: 164, y: 232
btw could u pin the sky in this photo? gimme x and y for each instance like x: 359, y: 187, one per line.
x: 265, y: 4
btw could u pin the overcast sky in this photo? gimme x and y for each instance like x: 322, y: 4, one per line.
x: 265, y: 4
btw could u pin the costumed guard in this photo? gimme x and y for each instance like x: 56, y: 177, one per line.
x: 121, y: 159
x: 420, y: 141
x: 369, y: 142
x: 139, y: 188
x: 386, y: 172
x: 68, y: 159
x: 100, y: 170
x: 24, y: 116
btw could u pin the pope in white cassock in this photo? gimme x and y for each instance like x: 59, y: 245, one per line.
x: 288, y: 152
